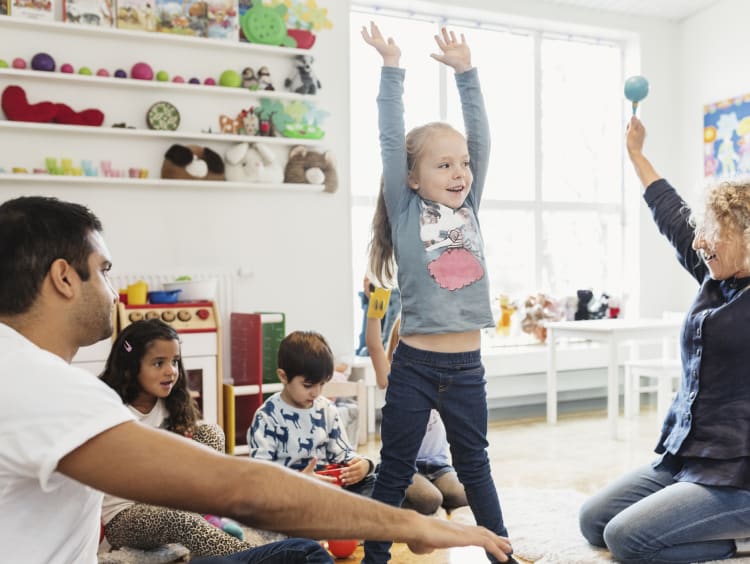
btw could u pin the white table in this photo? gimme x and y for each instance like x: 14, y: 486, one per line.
x: 612, y: 332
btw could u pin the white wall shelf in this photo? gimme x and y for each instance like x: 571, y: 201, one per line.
x: 56, y: 128
x: 19, y: 178
x: 48, y: 27
x: 109, y: 81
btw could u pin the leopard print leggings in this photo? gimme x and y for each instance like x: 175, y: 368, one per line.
x: 148, y: 526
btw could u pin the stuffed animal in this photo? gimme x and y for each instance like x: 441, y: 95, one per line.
x: 190, y: 162
x: 303, y: 81
x: 264, y: 79
x: 17, y: 108
x: 255, y: 162
x: 537, y: 310
x: 305, y: 166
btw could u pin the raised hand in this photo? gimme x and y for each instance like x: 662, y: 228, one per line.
x: 455, y: 54
x: 388, y: 49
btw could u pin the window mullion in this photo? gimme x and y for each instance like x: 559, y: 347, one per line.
x: 538, y: 208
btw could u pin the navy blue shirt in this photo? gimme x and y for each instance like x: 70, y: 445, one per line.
x: 705, y: 437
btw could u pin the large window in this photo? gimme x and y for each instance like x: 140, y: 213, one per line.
x: 552, y: 212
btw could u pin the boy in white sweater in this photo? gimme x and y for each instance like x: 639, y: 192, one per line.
x: 301, y: 429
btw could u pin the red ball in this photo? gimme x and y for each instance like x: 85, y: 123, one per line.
x: 342, y: 548
x: 142, y: 71
x: 66, y: 68
x: 210, y: 81
x: 18, y: 63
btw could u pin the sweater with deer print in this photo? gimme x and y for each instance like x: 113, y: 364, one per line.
x: 291, y: 436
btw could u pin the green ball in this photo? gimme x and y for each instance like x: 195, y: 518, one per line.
x: 162, y: 76
x: 230, y: 78
x: 85, y: 70
x: 3, y: 64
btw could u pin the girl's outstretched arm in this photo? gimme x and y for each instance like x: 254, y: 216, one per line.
x: 387, y: 48
x: 456, y: 54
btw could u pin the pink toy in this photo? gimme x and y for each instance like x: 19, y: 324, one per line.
x: 102, y: 72
x: 178, y: 79
x: 18, y: 63
x: 67, y: 68
x: 142, y: 71
x: 43, y: 62
x: 210, y: 81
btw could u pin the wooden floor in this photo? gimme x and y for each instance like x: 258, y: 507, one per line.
x: 576, y: 453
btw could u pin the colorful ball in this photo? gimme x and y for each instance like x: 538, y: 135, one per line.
x: 3, y: 64
x: 230, y: 78
x: 119, y: 73
x: 102, y: 72
x: 43, y: 62
x: 142, y: 71
x: 18, y: 63
x: 67, y: 68
x: 162, y: 76
x: 209, y: 81
x: 636, y: 88
x: 178, y: 79
x: 342, y: 548
x: 85, y: 70
x: 194, y: 81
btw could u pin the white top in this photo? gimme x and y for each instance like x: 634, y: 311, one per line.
x: 112, y: 505
x: 48, y: 408
x: 434, y: 447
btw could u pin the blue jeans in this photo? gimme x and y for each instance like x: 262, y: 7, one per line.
x: 648, y: 516
x: 454, y: 385
x: 290, y: 551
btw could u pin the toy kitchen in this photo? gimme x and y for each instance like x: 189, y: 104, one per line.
x: 197, y: 323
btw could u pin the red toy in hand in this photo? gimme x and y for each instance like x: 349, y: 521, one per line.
x: 17, y: 108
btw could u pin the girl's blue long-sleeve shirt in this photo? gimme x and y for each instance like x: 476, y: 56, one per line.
x: 705, y: 437
x: 439, y: 250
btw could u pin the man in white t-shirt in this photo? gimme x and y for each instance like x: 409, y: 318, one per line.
x: 66, y: 436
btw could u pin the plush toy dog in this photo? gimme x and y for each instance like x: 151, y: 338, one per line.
x: 192, y: 163
x: 17, y: 108
x: 303, y: 81
x: 252, y: 163
x: 311, y: 167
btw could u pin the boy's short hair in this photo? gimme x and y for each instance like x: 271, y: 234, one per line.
x: 306, y: 354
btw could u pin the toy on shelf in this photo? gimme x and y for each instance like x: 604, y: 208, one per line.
x: 265, y: 25
x: 507, y: 309
x: 17, y: 108
x: 303, y: 80
x: 537, y: 311
x: 230, y: 78
x: 302, y: 120
x: 191, y: 162
x: 163, y: 116
x: 302, y: 18
x: 43, y: 62
x: 264, y: 79
x: 312, y: 167
x: 249, y: 80
x: 252, y: 163
x: 67, y: 68
x: 18, y: 63
x: 142, y: 71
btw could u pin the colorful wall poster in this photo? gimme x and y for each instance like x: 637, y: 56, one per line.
x: 726, y: 138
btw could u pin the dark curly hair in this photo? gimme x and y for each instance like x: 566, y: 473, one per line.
x: 124, y: 365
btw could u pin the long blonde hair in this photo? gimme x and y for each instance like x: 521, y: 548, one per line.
x: 382, y: 262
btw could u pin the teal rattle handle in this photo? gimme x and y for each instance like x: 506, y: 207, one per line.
x: 636, y: 89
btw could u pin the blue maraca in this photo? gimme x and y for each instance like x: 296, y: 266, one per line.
x: 636, y: 89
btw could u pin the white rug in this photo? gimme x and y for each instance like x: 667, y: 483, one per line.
x: 543, y: 526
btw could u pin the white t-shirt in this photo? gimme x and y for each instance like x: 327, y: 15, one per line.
x: 155, y: 418
x: 48, y: 408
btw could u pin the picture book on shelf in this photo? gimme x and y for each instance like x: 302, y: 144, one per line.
x: 4, y: 8
x: 223, y: 21
x: 187, y: 17
x: 136, y: 14
x: 34, y: 9
x: 89, y: 12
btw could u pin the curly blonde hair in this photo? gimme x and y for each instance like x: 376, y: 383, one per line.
x: 726, y: 215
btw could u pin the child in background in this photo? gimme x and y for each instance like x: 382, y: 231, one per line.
x: 435, y: 484
x: 426, y: 221
x: 145, y: 369
x: 299, y: 428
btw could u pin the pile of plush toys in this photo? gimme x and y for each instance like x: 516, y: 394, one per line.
x: 250, y: 162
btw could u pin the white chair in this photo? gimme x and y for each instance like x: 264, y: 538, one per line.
x: 358, y: 391
x: 660, y: 375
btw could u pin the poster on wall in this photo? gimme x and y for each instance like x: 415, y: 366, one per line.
x: 726, y: 138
